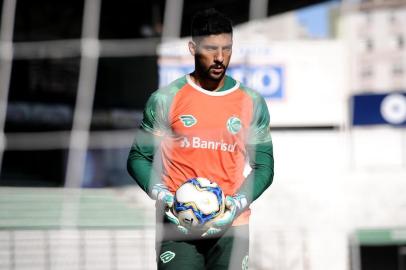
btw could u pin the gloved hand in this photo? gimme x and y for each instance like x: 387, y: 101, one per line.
x: 235, y: 205
x: 161, y: 194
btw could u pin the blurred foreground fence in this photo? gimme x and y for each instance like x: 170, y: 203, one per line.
x: 75, y: 229
x: 81, y: 229
x: 87, y: 229
x: 76, y: 249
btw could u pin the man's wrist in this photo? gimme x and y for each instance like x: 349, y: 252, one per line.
x: 159, y: 191
x: 241, y: 202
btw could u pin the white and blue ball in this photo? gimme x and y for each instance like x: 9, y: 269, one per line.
x: 198, y: 202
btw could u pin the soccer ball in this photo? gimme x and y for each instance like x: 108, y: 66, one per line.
x: 198, y: 202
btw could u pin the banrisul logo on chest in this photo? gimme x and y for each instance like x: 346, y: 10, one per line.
x: 188, y: 120
x: 234, y: 125
x: 199, y: 143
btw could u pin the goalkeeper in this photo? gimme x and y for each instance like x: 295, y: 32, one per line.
x: 204, y: 124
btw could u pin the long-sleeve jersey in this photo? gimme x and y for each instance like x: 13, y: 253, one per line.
x: 201, y: 133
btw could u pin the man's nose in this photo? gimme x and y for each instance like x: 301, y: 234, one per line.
x: 219, y: 57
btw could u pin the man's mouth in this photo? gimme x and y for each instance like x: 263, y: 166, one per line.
x: 217, y: 69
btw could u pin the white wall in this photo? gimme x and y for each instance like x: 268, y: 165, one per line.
x: 323, y: 192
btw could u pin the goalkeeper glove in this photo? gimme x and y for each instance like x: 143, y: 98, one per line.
x: 235, y: 205
x: 162, y: 194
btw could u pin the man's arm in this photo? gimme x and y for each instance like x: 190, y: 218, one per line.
x: 140, y: 167
x: 140, y: 158
x: 152, y: 129
x: 260, y: 152
x: 261, y: 176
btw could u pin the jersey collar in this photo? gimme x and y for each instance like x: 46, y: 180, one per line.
x: 213, y: 93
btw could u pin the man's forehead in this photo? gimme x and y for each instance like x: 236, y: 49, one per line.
x: 220, y: 39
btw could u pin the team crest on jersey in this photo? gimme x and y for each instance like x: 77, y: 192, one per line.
x: 234, y: 125
x: 188, y: 120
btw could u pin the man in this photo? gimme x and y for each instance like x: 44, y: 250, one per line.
x: 204, y: 108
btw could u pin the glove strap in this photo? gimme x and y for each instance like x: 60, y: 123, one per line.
x: 241, y: 202
x: 159, y: 191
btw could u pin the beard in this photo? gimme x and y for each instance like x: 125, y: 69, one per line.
x: 208, y: 73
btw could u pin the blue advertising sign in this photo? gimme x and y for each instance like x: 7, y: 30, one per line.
x: 378, y: 109
x: 268, y: 80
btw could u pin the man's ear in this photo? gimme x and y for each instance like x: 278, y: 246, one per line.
x: 192, y: 48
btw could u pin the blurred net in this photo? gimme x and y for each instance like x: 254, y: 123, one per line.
x: 73, y: 228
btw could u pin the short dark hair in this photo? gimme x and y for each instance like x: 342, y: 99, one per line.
x: 210, y: 22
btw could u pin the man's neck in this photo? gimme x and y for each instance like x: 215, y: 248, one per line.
x: 206, y: 84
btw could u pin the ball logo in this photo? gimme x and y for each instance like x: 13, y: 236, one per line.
x: 188, y: 120
x: 234, y: 125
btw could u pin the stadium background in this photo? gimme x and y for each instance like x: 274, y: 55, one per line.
x: 74, y: 77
